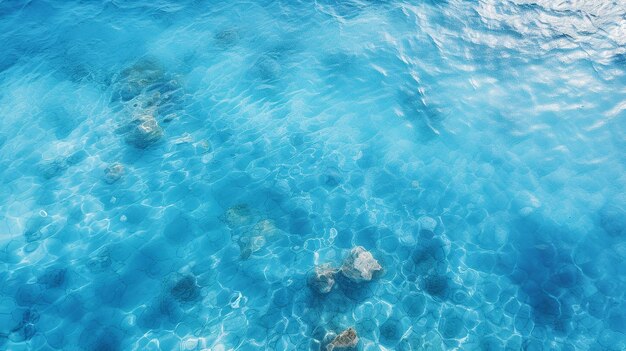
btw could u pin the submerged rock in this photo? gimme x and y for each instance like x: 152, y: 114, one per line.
x: 427, y: 223
x: 54, y: 168
x: 253, y: 240
x: 323, y: 278
x: 237, y: 215
x: 135, y: 79
x: 263, y: 227
x: 267, y: 68
x: 249, y: 245
x: 144, y: 131
x: 249, y: 229
x: 151, y: 96
x: 186, y: 289
x: 360, y: 265
x: 345, y: 340
x: 100, y: 261
x: 113, y: 173
x: 226, y: 37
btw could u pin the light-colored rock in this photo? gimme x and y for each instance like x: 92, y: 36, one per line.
x: 360, y: 265
x: 345, y: 340
x: 427, y: 223
x: 323, y: 278
x: 133, y: 80
x: 237, y: 216
x: 145, y: 131
x: 264, y: 227
x: 113, y: 173
x: 253, y: 239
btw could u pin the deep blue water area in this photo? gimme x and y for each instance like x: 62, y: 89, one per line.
x: 176, y: 174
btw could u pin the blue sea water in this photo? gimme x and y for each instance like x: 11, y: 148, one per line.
x: 173, y: 171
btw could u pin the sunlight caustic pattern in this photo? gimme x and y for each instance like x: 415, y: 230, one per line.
x: 312, y: 175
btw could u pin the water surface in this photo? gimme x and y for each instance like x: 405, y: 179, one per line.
x: 172, y: 171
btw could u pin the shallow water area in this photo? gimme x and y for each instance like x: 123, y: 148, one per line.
x: 223, y: 175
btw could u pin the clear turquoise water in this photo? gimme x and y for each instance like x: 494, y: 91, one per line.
x: 172, y: 171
